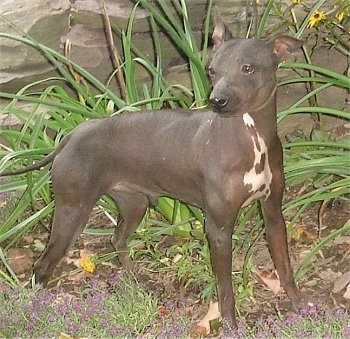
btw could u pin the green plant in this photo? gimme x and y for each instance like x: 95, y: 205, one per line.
x: 123, y: 309
x: 319, y: 161
x: 53, y: 112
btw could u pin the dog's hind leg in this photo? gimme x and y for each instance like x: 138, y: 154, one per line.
x: 69, y: 221
x: 75, y: 194
x: 132, y: 207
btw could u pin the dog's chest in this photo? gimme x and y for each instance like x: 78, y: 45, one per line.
x: 258, y: 178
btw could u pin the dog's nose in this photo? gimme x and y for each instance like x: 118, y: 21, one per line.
x: 218, y: 102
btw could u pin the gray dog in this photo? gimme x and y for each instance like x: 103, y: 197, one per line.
x: 218, y: 159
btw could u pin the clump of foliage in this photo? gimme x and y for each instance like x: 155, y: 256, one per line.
x: 310, y: 322
x: 121, y: 309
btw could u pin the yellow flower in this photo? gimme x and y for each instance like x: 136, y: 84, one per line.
x: 316, y: 17
x: 87, y: 264
x: 297, y: 1
x: 340, y: 16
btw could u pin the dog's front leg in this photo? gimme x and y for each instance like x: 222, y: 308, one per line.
x: 276, y: 236
x: 219, y: 228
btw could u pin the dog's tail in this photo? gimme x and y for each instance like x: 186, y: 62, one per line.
x: 47, y: 159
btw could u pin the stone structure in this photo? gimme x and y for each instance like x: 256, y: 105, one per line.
x: 52, y: 22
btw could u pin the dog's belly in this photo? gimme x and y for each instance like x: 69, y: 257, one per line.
x: 154, y: 192
x: 178, y: 187
x: 259, y: 177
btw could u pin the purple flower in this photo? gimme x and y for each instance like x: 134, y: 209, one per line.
x: 236, y: 333
x: 117, y: 276
x: 96, y: 298
x: 72, y: 327
x: 339, y: 313
x: 261, y: 335
x: 94, y: 282
x: 113, y: 332
x: 314, y: 311
x: 30, y: 325
x: 292, y: 319
x: 52, y: 317
x: 174, y: 330
x: 77, y: 305
x: 346, y: 331
x: 4, y: 196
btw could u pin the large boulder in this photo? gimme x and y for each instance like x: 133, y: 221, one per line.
x: 43, y: 20
x: 52, y: 22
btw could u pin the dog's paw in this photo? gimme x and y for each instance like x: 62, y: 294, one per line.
x: 126, y: 262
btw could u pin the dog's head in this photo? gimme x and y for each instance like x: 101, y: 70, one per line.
x: 242, y: 71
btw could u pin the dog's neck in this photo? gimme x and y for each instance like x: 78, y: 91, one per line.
x: 272, y: 97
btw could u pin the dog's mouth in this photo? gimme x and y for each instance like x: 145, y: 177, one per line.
x: 216, y: 109
x: 225, y: 113
x: 223, y: 109
x: 225, y: 104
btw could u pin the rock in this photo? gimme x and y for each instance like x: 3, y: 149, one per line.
x: 45, y: 21
x: 52, y: 22
x: 89, y: 13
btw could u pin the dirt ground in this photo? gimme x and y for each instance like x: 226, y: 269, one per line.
x: 327, y: 279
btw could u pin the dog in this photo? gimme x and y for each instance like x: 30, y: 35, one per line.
x: 218, y: 159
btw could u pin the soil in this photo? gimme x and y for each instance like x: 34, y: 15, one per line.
x: 327, y: 270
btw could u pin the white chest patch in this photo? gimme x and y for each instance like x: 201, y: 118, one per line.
x: 248, y: 120
x: 259, y: 177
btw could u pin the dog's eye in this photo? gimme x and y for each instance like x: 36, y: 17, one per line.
x: 211, y: 72
x: 248, y: 69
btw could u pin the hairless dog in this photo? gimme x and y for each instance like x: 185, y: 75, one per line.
x: 219, y: 159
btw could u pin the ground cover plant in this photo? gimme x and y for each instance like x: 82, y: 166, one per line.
x: 319, y: 163
x: 104, y: 310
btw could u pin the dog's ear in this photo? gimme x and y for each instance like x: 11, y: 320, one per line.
x: 221, y: 33
x: 284, y: 44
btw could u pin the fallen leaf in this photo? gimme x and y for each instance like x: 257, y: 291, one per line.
x: 300, y: 234
x: 213, y: 313
x: 341, y: 282
x: 64, y: 336
x: 163, y: 311
x: 109, y: 264
x: 346, y: 295
x: 28, y: 239
x: 343, y: 239
x: 329, y: 275
x: 78, y: 276
x: 20, y: 259
x: 68, y: 260
x: 39, y: 245
x: 86, y: 253
x: 197, y: 332
x: 177, y: 257
x: 67, y: 336
x: 270, y: 280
